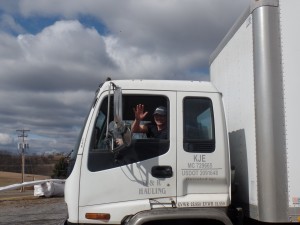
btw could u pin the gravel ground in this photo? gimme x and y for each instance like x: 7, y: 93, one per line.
x: 42, y: 211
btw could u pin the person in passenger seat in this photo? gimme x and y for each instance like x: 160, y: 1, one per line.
x: 157, y: 130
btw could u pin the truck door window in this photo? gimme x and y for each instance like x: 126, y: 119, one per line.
x: 198, y: 133
x: 141, y: 147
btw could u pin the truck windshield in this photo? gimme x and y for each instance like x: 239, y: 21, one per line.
x: 76, y: 147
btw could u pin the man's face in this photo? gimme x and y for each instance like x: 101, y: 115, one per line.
x: 160, y: 119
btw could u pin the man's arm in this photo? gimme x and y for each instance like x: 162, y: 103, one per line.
x: 139, y: 114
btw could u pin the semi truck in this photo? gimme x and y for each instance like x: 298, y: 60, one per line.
x: 230, y: 148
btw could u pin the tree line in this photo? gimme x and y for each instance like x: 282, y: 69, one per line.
x: 50, y: 165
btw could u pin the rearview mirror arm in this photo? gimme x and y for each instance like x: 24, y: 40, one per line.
x: 108, y: 109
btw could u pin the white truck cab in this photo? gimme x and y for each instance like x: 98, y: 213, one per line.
x: 140, y: 179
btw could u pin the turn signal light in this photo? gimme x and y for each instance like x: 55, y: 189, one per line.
x: 98, y: 216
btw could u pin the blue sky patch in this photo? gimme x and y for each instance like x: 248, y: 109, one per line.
x: 36, y: 24
x: 90, y: 21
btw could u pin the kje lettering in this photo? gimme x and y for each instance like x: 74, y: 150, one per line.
x: 199, y: 158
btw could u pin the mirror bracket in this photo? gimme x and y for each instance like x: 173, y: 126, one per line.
x: 117, y: 132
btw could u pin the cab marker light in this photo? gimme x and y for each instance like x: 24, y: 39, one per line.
x: 98, y: 216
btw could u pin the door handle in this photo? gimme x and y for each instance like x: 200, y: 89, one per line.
x: 162, y: 171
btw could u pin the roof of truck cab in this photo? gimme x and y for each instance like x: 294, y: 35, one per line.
x: 164, y: 85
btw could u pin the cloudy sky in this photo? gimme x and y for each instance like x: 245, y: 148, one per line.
x: 54, y: 53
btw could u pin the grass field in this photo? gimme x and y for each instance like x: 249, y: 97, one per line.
x: 7, y: 178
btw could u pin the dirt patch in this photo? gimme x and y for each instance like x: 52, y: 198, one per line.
x: 23, y: 208
x: 7, y: 178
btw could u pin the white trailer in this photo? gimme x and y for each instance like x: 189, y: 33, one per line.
x: 256, y: 68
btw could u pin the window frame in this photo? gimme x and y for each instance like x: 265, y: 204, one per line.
x: 155, y: 147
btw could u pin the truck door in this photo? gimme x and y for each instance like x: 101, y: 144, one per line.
x: 203, y: 178
x: 142, y: 175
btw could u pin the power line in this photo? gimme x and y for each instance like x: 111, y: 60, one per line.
x: 23, y: 145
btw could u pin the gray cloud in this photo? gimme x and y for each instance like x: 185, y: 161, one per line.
x: 8, y: 23
x: 159, y: 29
x: 58, y: 58
x: 48, y: 79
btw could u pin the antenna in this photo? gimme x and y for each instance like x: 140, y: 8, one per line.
x: 22, y: 146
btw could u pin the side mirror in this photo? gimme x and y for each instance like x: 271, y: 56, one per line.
x: 118, y: 133
x: 118, y: 104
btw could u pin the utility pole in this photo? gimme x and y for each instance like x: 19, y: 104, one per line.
x: 22, y: 146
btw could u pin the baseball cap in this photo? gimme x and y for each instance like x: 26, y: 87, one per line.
x: 161, y: 110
